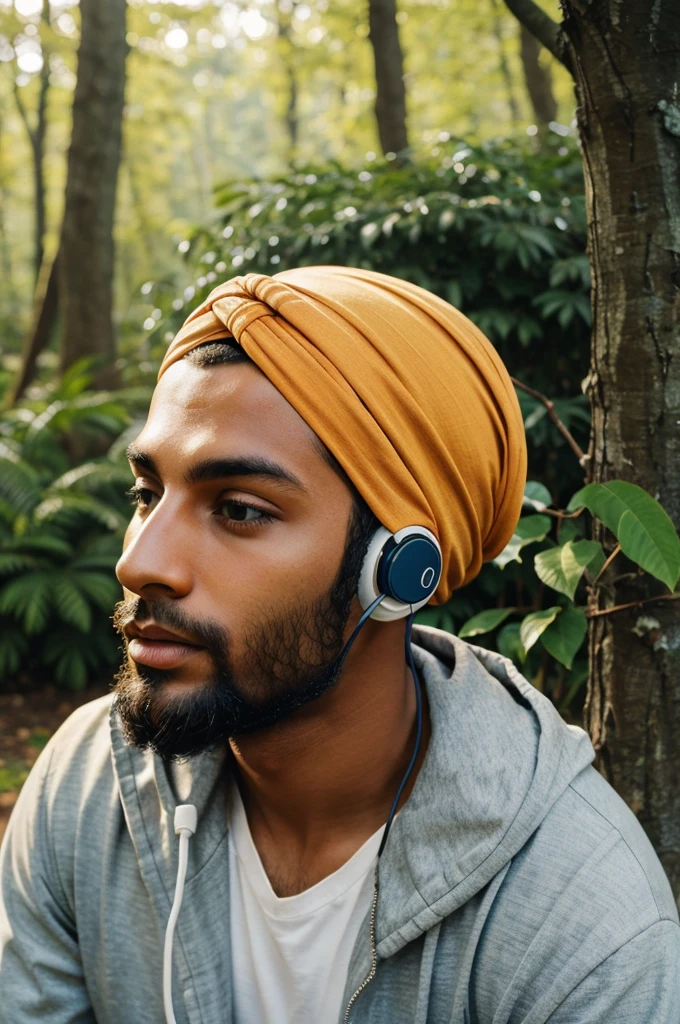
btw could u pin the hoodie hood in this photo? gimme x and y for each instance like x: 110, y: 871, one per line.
x: 498, y: 758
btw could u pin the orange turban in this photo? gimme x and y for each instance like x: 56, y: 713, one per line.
x: 409, y: 396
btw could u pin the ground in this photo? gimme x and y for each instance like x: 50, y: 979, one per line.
x: 27, y: 720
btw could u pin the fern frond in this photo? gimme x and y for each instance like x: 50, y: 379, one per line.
x: 103, y: 589
x: 91, y: 476
x: 66, y: 651
x: 20, y: 485
x: 70, y: 604
x: 12, y: 562
x: 29, y: 598
x: 13, y: 649
x: 85, y: 506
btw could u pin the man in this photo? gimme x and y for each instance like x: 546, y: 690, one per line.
x: 295, y: 418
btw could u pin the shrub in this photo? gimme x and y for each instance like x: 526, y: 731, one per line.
x: 61, y: 530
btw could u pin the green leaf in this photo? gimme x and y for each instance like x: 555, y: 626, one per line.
x: 528, y: 530
x: 535, y: 623
x: 561, y: 567
x: 564, y: 636
x: 484, y: 621
x: 642, y: 527
x: 536, y: 496
x: 509, y: 643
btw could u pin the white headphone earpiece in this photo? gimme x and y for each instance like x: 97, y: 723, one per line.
x: 406, y: 566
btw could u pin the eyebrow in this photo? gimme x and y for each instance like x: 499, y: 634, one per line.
x: 217, y: 469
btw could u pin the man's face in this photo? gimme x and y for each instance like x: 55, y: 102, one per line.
x: 243, y: 561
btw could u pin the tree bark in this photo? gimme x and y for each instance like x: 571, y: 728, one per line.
x: 87, y: 249
x: 36, y: 137
x: 390, y: 103
x: 538, y: 79
x: 625, y: 58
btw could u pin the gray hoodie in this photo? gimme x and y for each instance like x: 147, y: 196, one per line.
x: 515, y: 885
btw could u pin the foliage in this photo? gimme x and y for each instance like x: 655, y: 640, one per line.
x: 61, y: 529
x: 499, y: 231
x: 645, y: 534
x: 207, y: 98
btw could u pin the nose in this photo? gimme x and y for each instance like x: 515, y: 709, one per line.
x: 157, y: 555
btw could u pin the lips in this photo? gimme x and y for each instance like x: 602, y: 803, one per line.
x: 158, y: 648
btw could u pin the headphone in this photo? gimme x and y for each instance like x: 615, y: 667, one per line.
x: 405, y: 566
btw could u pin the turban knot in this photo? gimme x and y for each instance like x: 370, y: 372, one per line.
x: 407, y: 393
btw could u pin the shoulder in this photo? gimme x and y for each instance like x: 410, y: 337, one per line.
x: 590, y: 861
x: 74, y: 768
x: 585, y: 886
x: 79, y: 752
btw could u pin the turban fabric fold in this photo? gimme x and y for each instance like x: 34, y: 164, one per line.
x: 407, y: 393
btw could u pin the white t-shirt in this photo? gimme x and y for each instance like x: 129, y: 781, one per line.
x: 290, y: 954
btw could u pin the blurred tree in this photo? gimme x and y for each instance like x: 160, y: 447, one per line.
x: 86, y: 247
x: 285, y: 12
x: 537, y: 77
x: 36, y: 136
x: 503, y: 63
x: 78, y: 283
x: 390, y: 101
x: 624, y: 60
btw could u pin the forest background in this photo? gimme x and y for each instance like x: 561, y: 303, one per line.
x: 151, y: 149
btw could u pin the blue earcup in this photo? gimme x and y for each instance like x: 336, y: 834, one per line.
x: 406, y: 566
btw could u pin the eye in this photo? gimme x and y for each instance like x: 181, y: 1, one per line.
x: 141, y: 496
x: 238, y: 512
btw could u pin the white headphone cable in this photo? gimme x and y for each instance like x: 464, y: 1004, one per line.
x: 186, y: 819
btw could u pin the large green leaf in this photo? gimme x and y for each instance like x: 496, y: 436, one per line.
x: 561, y: 567
x: 535, y: 623
x: 528, y: 530
x: 564, y: 636
x: 484, y: 621
x: 639, y: 523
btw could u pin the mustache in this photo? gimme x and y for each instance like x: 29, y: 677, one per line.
x: 168, y: 615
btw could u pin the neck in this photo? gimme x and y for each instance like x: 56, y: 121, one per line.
x: 329, y: 773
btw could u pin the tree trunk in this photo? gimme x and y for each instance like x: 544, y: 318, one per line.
x: 45, y: 312
x: 87, y: 251
x: 390, y: 103
x: 36, y: 137
x: 504, y: 67
x: 625, y: 59
x: 538, y: 78
x: 285, y: 14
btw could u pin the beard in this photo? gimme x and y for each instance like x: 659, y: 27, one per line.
x: 290, y: 659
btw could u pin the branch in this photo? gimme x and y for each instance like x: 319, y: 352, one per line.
x: 24, y: 116
x: 632, y: 604
x: 550, y: 406
x: 541, y: 26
